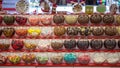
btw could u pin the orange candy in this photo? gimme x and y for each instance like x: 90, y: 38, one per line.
x: 33, y: 20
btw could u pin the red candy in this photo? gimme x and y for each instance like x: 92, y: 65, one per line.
x: 85, y: 59
x: 21, y: 20
x: 17, y: 44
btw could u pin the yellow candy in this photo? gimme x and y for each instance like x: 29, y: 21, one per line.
x: 34, y: 30
x: 118, y: 29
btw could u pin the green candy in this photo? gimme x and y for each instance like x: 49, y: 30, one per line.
x: 101, y: 8
x: 42, y: 60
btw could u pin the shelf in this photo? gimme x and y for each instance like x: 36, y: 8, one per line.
x: 64, y: 65
x: 66, y: 25
x: 64, y: 37
x: 62, y: 50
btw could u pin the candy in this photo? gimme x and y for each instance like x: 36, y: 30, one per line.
x: 70, y: 44
x: 97, y: 31
x: 70, y: 58
x: 85, y: 59
x: 33, y: 20
x: 57, y: 59
x: 34, y: 32
x: 17, y: 44
x: 110, y: 44
x: 58, y: 19
x: 71, y: 19
x: 83, y: 18
x: 96, y: 44
x: 83, y: 44
x: 95, y: 18
x: 42, y: 60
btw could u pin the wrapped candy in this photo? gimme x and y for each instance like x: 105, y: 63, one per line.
x: 70, y: 58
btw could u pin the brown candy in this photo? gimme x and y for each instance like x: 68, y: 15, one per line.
x: 83, y: 44
x: 118, y: 19
x: 110, y: 44
x: 95, y: 18
x: 58, y: 19
x: 3, y: 59
x: 57, y: 59
x: 110, y: 31
x: 113, y: 8
x: 97, y: 31
x: 58, y: 31
x: 4, y: 46
x: 8, y: 32
x: 108, y: 18
x: 85, y: 31
x: 72, y: 31
x: 96, y: 44
x: 83, y: 18
x: 56, y: 45
x: 70, y: 44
